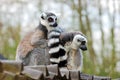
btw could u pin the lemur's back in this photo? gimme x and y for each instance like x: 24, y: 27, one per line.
x: 24, y: 46
x: 31, y: 54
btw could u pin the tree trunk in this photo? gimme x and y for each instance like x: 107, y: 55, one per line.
x: 112, y: 39
x: 89, y: 36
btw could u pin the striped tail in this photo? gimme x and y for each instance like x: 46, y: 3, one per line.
x: 56, y: 49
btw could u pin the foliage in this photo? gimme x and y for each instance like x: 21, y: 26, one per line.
x: 9, y: 38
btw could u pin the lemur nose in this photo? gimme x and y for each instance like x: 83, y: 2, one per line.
x: 83, y: 42
x: 55, y: 25
x: 83, y: 47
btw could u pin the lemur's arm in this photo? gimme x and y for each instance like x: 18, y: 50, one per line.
x: 38, y: 39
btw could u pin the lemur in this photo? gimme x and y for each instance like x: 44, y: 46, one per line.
x: 32, y: 50
x: 75, y: 58
x: 74, y: 42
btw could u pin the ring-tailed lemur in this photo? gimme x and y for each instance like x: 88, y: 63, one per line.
x: 56, y: 49
x: 75, y: 58
x: 32, y: 49
x: 69, y: 40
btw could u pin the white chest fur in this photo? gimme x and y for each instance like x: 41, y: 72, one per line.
x: 75, y: 59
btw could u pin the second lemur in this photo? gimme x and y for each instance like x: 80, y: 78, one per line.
x: 74, y: 42
x: 75, y: 58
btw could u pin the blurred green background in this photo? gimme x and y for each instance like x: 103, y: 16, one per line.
x: 99, y: 20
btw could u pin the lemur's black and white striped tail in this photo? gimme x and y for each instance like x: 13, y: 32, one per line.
x: 56, y: 49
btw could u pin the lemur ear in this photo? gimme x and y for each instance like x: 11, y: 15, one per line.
x: 43, y: 15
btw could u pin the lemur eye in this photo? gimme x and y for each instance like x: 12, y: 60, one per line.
x: 78, y: 40
x: 50, y: 19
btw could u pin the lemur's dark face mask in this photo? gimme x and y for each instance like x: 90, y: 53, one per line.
x: 52, y: 20
x: 83, y: 46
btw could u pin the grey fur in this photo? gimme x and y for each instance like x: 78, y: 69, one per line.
x: 75, y: 59
x: 78, y: 59
x: 37, y: 56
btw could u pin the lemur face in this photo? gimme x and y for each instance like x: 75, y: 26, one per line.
x: 49, y: 20
x: 80, y: 41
